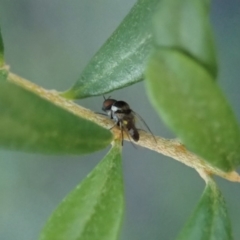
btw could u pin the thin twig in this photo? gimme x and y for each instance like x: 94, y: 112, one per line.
x: 170, y: 148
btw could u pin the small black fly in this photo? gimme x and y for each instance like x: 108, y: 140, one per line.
x: 123, y: 116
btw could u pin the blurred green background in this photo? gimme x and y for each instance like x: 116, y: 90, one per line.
x: 49, y: 42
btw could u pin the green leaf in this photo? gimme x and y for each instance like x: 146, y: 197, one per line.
x: 121, y: 60
x: 184, y: 26
x: 94, y: 209
x: 3, y: 75
x: 33, y: 124
x: 210, y: 220
x: 194, y: 107
x: 1, y: 50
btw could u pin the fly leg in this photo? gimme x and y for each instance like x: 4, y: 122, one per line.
x: 129, y: 138
x: 104, y: 114
x: 113, y: 126
x: 121, y: 127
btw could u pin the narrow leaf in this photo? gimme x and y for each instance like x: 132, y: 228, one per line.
x: 1, y: 50
x: 194, y: 107
x: 210, y: 219
x: 30, y: 123
x: 184, y: 25
x: 94, y: 209
x: 120, y: 61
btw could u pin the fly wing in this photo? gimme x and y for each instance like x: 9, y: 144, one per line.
x: 144, y: 123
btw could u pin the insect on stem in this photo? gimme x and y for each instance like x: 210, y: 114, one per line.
x: 124, y: 117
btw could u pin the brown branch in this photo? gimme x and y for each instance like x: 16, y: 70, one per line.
x: 170, y: 148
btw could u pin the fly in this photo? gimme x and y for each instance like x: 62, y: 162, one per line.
x: 123, y: 116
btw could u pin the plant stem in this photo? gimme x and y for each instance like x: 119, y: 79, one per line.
x: 168, y: 147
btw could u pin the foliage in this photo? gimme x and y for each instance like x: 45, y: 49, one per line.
x: 31, y: 129
x: 96, y: 201
x: 209, y: 220
x: 174, y: 41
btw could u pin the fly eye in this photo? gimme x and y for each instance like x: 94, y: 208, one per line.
x: 107, y: 104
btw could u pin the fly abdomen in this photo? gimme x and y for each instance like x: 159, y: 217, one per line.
x: 133, y: 132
